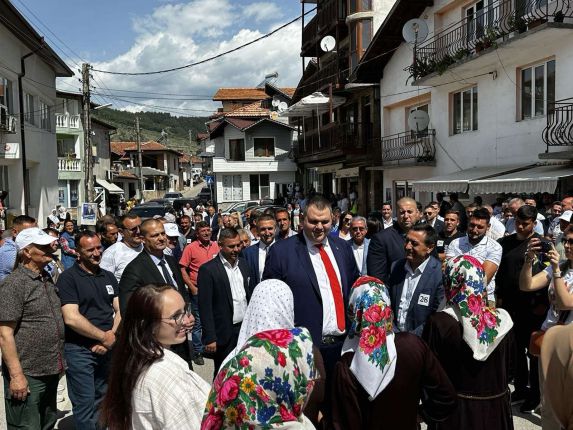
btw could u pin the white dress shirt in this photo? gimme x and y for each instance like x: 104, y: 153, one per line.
x: 387, y: 223
x: 410, y: 284
x: 263, y: 251
x: 358, y: 251
x: 237, y: 289
x: 171, y: 281
x: 117, y: 257
x: 486, y: 250
x: 162, y: 390
x: 329, y: 322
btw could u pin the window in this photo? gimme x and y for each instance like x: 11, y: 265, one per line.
x: 45, y: 121
x: 465, y: 111
x: 479, y: 16
x: 29, y: 109
x: 360, y: 37
x: 260, y: 187
x: 66, y: 148
x: 5, y: 92
x: 68, y: 195
x: 236, y: 150
x: 264, y: 146
x: 537, y: 89
x: 232, y: 188
x: 359, y: 6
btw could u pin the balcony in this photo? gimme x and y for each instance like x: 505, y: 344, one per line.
x: 64, y: 120
x: 66, y: 164
x: 334, y: 72
x: 310, y: 39
x: 334, y: 140
x: 498, y: 23
x: 329, y: 14
x: 409, y: 148
x: 559, y: 130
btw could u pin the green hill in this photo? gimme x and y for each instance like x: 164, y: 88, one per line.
x: 181, y: 132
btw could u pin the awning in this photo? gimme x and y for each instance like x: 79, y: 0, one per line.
x: 331, y: 168
x: 317, y: 103
x: 458, y: 182
x: 539, y: 179
x: 111, y: 188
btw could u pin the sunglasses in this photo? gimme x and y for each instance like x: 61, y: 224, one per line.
x: 567, y: 241
x: 428, y: 213
x: 133, y: 230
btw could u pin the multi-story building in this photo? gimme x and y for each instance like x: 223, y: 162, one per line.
x: 251, y: 148
x: 336, y: 143
x: 28, y: 155
x: 490, y: 76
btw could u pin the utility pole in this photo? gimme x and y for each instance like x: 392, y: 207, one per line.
x: 88, y: 159
x: 139, y: 160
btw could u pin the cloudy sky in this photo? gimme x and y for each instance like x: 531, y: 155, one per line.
x: 149, y: 35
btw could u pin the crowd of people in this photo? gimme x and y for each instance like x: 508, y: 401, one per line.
x: 314, y: 316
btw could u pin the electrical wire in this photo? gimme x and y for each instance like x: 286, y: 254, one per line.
x: 222, y: 54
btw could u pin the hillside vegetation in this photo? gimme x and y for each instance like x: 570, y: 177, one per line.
x: 181, y: 132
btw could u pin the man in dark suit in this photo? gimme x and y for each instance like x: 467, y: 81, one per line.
x: 320, y: 270
x: 213, y: 220
x: 153, y: 266
x: 415, y: 282
x: 387, y: 246
x: 256, y: 254
x: 223, y: 285
x: 431, y: 217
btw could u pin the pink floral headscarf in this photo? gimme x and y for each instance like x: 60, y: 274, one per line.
x: 371, y: 337
x: 483, y: 326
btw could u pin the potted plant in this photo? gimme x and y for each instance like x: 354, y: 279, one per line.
x: 535, y: 22
x: 559, y: 16
x: 461, y: 54
x: 517, y: 23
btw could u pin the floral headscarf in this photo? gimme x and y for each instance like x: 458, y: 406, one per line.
x: 371, y: 337
x: 271, y: 307
x: 483, y: 326
x: 266, y: 385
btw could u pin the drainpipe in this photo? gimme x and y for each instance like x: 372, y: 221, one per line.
x: 22, y: 131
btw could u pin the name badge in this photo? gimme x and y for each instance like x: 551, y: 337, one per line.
x: 440, y: 243
x: 424, y: 299
x: 110, y: 289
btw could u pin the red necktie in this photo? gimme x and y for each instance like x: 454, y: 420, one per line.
x: 334, y: 286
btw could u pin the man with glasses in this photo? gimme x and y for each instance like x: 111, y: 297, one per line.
x: 431, y: 217
x: 344, y: 229
x: 90, y: 306
x: 358, y: 230
x: 116, y: 258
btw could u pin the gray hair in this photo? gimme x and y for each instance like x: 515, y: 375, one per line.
x: 517, y: 200
x: 359, y: 218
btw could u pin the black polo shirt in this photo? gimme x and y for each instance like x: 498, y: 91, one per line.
x: 94, y: 296
x: 444, y: 241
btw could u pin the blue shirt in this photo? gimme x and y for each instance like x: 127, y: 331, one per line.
x: 8, y: 253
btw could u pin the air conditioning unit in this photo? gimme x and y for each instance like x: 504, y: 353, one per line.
x: 7, y: 121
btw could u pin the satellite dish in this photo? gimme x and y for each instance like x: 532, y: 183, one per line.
x: 418, y: 120
x: 282, y: 106
x: 276, y: 102
x: 415, y: 31
x: 327, y: 43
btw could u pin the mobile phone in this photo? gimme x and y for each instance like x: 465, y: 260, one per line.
x: 545, y: 247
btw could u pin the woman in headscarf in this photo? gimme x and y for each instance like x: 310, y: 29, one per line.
x: 266, y: 385
x: 381, y: 375
x: 473, y: 343
x: 272, y: 307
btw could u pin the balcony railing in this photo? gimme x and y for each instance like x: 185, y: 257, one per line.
x: 559, y: 128
x: 409, y: 146
x: 67, y: 121
x: 310, y: 33
x: 332, y: 137
x: 69, y: 164
x: 328, y: 14
x: 486, y: 28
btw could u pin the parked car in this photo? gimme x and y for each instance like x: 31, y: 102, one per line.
x: 205, y: 195
x: 148, y: 211
x: 260, y: 209
x: 243, y: 206
x: 173, y: 195
x: 179, y: 204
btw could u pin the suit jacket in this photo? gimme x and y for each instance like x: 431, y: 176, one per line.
x: 364, y: 270
x: 386, y: 247
x: 142, y: 271
x: 439, y: 226
x: 251, y: 256
x: 426, y: 298
x: 288, y: 260
x: 216, y: 300
x: 214, y: 224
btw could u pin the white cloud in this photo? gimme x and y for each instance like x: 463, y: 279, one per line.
x: 262, y: 11
x: 175, y: 35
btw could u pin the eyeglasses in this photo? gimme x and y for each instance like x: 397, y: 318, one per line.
x: 179, y: 317
x: 358, y: 228
x: 567, y: 241
x: 347, y: 219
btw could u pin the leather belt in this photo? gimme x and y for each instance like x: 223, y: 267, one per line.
x: 332, y: 339
x: 473, y: 397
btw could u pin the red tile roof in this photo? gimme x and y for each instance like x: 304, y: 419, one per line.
x: 251, y: 110
x: 202, y: 136
x: 240, y: 123
x: 246, y: 93
x: 120, y: 148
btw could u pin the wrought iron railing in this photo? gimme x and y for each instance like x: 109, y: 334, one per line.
x: 486, y: 28
x: 342, y: 136
x: 409, y: 145
x: 559, y: 128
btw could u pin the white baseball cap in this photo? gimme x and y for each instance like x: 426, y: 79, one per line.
x: 171, y: 229
x: 169, y: 217
x: 566, y: 216
x: 33, y: 235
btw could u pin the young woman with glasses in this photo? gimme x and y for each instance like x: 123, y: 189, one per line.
x: 151, y: 387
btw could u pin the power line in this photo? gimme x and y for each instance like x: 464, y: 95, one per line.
x: 210, y: 58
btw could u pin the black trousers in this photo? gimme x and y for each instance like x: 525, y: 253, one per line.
x: 524, y: 325
x: 225, y: 349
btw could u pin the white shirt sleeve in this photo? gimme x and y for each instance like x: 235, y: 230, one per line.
x: 494, y: 251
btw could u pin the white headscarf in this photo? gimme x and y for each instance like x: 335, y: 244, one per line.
x: 271, y: 307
